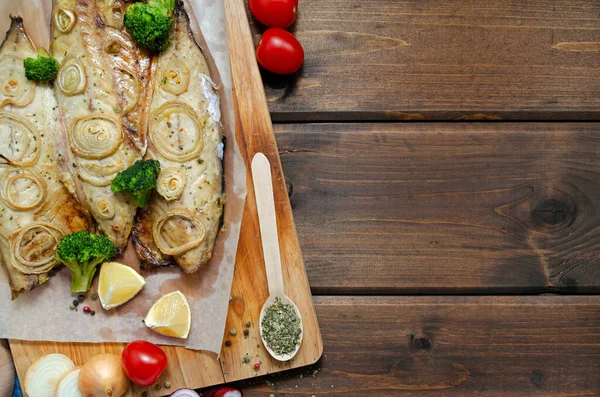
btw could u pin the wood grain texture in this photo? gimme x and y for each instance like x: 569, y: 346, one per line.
x: 451, y: 346
x: 442, y: 60
x: 195, y: 369
x: 446, y: 208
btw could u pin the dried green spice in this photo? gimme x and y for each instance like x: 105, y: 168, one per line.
x: 281, y: 328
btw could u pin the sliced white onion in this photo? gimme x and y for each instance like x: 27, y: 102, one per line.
x: 105, y: 209
x: 19, y: 140
x: 185, y: 393
x: 176, y: 131
x: 171, y: 183
x: 64, y: 19
x: 33, y: 247
x: 22, y: 191
x: 96, y: 136
x: 44, y: 374
x: 177, y: 231
x: 175, y: 77
x: 68, y: 385
x: 113, y: 14
x: 97, y: 174
x: 15, y: 89
x: 71, y: 77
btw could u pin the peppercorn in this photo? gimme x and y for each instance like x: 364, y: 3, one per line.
x: 75, y: 302
x: 94, y: 296
x: 246, y: 332
x: 72, y: 306
x: 93, y: 313
x: 256, y: 366
x: 80, y: 298
x: 145, y: 394
x: 227, y: 343
x: 246, y: 359
x: 157, y: 386
x: 167, y: 385
x: 233, y: 331
x: 87, y: 309
x: 248, y: 324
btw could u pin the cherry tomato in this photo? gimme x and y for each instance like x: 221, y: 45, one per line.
x: 143, y: 362
x: 274, y: 13
x: 279, y: 52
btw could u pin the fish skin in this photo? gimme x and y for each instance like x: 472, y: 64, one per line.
x: 203, y: 195
x: 58, y: 208
x: 97, y: 108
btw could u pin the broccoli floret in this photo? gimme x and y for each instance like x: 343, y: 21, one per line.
x: 150, y: 23
x: 43, y: 68
x: 82, y: 252
x: 139, y: 180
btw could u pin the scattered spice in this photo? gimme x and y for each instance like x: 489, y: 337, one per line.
x: 233, y: 331
x: 281, y: 328
x: 87, y: 309
x: 93, y: 295
x: 227, y: 342
x: 167, y: 385
x: 75, y: 302
x: 80, y: 298
x: 256, y: 366
x: 248, y: 324
x: 246, y: 358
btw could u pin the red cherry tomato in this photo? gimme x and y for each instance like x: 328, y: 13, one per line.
x: 274, y: 13
x: 279, y: 52
x: 143, y: 362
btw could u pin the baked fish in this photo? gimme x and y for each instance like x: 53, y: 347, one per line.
x: 99, y: 111
x: 185, y: 134
x: 36, y: 210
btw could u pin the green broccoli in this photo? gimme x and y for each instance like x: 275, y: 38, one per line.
x: 43, y: 68
x: 139, y: 180
x: 82, y: 252
x: 150, y: 23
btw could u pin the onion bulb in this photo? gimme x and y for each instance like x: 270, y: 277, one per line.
x: 103, y: 376
x: 44, y: 374
x: 68, y: 385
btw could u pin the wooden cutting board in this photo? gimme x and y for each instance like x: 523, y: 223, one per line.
x: 194, y: 369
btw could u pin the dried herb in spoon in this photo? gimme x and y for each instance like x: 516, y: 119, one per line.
x: 281, y: 328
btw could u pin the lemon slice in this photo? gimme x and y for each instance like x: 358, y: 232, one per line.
x: 170, y: 316
x: 118, y: 284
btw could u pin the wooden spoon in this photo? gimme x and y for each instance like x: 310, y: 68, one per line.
x: 263, y: 189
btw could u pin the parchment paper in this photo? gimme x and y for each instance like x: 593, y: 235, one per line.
x: 44, y: 315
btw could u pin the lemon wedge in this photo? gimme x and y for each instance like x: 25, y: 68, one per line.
x: 170, y: 316
x: 118, y: 284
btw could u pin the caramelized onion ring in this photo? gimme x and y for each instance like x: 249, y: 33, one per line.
x: 163, y: 245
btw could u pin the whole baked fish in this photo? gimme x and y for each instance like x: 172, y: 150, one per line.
x: 35, y: 208
x: 99, y: 110
x: 185, y: 134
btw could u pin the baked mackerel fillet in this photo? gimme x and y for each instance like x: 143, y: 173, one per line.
x: 181, y: 223
x: 94, y: 106
x: 36, y: 210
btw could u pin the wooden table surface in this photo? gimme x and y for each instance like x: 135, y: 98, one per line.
x: 443, y: 161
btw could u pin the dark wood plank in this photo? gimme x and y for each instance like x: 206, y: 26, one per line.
x: 451, y: 346
x: 446, y: 208
x: 443, y: 60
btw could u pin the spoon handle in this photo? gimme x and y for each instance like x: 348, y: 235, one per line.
x: 263, y: 190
